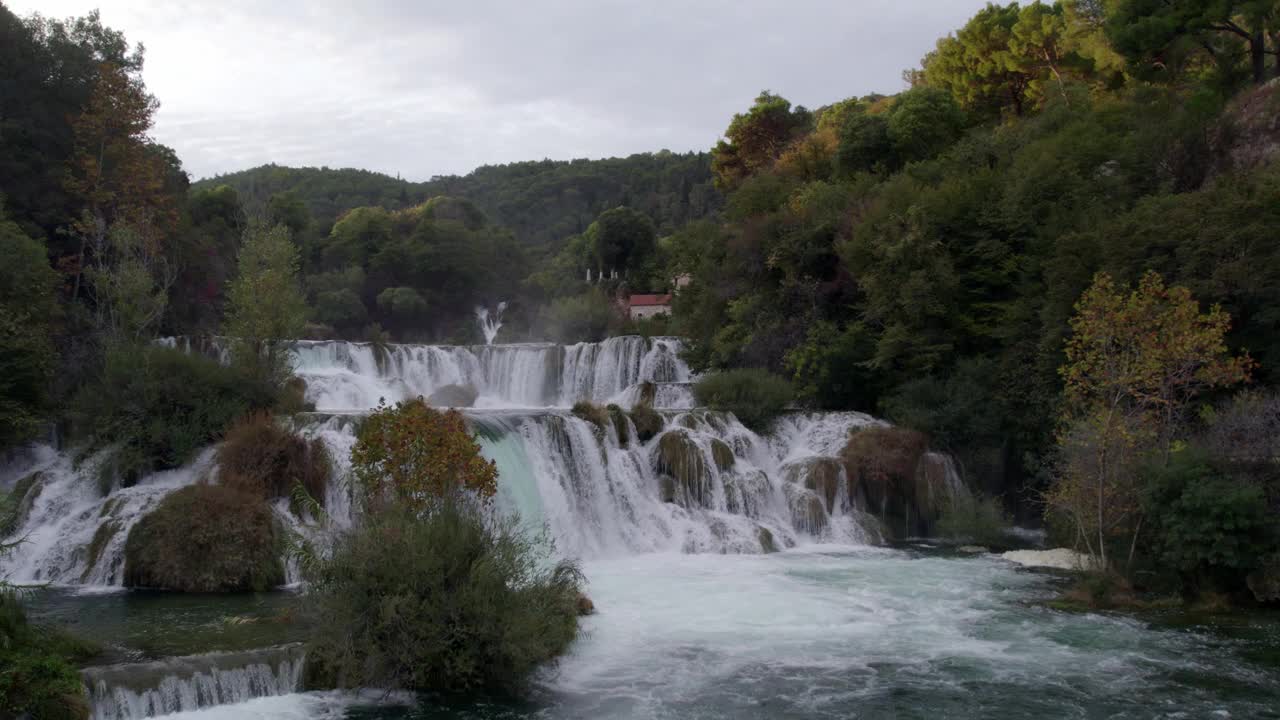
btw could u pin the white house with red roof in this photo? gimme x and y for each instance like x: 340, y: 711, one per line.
x: 647, y: 306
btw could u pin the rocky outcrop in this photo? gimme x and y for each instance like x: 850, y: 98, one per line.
x: 621, y: 427
x: 767, y: 544
x: 454, y: 396
x: 647, y: 421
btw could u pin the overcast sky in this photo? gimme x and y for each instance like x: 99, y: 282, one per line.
x: 437, y: 88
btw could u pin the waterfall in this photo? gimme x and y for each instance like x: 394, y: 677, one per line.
x: 181, y: 684
x: 703, y: 483
x: 490, y: 324
x: 347, y: 376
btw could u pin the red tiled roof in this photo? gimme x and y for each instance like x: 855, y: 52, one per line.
x: 643, y: 300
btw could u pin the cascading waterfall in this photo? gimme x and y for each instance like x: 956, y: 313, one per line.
x: 705, y: 484
x: 141, y: 690
x: 345, y: 376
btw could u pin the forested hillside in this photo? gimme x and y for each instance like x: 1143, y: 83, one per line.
x: 542, y: 202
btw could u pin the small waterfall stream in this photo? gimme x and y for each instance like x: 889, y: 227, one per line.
x: 140, y: 690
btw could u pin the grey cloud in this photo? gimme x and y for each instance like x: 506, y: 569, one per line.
x: 426, y: 88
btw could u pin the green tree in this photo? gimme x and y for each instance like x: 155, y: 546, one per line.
x: 28, y: 309
x: 923, y: 122
x: 265, y: 304
x: 621, y: 239
x: 977, y: 66
x: 1155, y: 34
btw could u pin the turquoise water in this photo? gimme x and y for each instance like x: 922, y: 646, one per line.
x: 857, y: 632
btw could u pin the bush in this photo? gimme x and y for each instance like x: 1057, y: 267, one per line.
x: 161, y: 406
x: 1208, y: 527
x: 206, y: 538
x: 263, y: 459
x: 754, y: 396
x: 975, y: 519
x: 412, y: 454
x: 40, y: 685
x: 38, y: 678
x: 452, y: 601
x: 580, y: 318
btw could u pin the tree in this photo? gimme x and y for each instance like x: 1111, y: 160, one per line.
x: 27, y: 356
x: 621, y: 239
x: 119, y: 178
x: 755, y: 139
x: 265, y: 303
x: 977, y: 66
x: 1133, y: 363
x: 1154, y: 34
x: 412, y: 456
x: 923, y: 122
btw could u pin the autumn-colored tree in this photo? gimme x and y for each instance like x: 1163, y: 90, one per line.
x: 756, y: 138
x: 413, y: 455
x: 1134, y: 363
x: 118, y: 177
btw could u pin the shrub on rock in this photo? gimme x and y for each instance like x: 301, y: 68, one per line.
x: 593, y: 414
x: 261, y: 458
x: 206, y: 538
x: 754, y: 396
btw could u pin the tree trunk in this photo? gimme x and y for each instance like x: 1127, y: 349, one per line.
x: 1258, y: 56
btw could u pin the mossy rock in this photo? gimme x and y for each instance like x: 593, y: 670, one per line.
x: 722, y: 454
x: 454, y: 396
x: 667, y: 488
x: 882, y: 465
x: 647, y: 421
x: 767, y: 544
x: 24, y: 495
x: 821, y: 475
x: 681, y: 458
x: 206, y: 538
x: 101, y: 538
x: 618, y: 417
